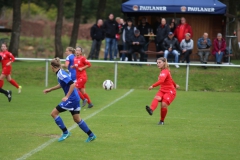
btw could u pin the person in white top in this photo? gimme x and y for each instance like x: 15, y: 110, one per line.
x: 186, y: 47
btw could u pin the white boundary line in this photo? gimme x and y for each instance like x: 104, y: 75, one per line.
x: 41, y: 147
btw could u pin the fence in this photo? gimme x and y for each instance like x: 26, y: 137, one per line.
x: 126, y: 62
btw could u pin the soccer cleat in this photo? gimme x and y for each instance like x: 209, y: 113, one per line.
x: 90, y: 105
x: 9, y: 96
x: 84, y: 102
x: 161, y: 123
x: 89, y: 139
x: 177, y: 66
x: 19, y: 89
x: 64, y: 136
x: 149, y: 110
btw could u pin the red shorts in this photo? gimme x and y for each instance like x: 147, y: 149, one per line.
x: 81, y: 81
x: 167, y: 97
x: 7, y: 70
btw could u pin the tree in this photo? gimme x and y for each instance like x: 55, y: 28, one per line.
x: 77, y: 18
x: 232, y: 8
x: 58, y: 29
x: 101, y: 9
x: 16, y: 27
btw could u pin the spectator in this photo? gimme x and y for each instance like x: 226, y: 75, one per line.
x: 182, y: 29
x: 97, y: 34
x: 111, y: 29
x: 162, y: 33
x: 128, y: 33
x: 219, y: 48
x: 120, y: 41
x: 204, y: 44
x: 171, y: 45
x: 172, y: 25
x: 186, y: 47
x: 156, y: 25
x: 136, y: 45
x: 118, y: 20
x: 144, y: 27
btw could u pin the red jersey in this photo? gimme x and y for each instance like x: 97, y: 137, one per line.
x: 80, y: 62
x: 6, y: 57
x: 165, y: 81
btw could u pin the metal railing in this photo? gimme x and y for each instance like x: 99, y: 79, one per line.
x: 127, y: 62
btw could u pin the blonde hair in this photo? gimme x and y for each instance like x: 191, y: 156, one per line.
x: 56, y: 63
x: 71, y: 49
x: 117, y: 18
x: 166, y: 66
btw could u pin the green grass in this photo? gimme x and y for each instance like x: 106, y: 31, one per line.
x: 223, y: 79
x: 199, y: 125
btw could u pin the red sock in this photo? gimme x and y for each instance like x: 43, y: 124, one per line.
x: 87, y: 97
x: 163, y: 113
x: 14, y: 83
x: 1, y: 83
x: 81, y: 95
x: 154, y: 104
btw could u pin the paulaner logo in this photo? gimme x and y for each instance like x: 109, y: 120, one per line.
x: 183, y: 9
x: 135, y: 8
x: 200, y: 9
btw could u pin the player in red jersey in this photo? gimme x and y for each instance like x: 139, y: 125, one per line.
x: 167, y: 92
x: 81, y: 64
x: 7, y: 93
x: 7, y: 59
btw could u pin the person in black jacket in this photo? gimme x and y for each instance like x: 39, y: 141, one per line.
x: 97, y: 34
x: 111, y: 29
x: 162, y: 32
x: 171, y: 46
x: 136, y: 45
x: 144, y: 28
x: 128, y: 32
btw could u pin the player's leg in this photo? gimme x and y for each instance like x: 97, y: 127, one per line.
x: 154, y: 104
x: 166, y: 101
x: 58, y: 120
x: 8, y: 94
x: 82, y: 81
x: 14, y: 83
x: 163, y: 112
x: 83, y: 90
x: 82, y: 124
x: 2, y: 76
x: 78, y: 85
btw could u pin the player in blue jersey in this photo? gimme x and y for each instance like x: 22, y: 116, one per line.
x: 72, y: 71
x: 70, y: 102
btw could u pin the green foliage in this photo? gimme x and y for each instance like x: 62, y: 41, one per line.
x: 52, y: 13
x: 34, y: 9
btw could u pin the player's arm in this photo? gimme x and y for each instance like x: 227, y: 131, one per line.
x: 163, y: 76
x: 71, y: 88
x: 175, y: 85
x: 87, y: 64
x: 66, y: 64
x: 11, y: 58
x: 51, y: 89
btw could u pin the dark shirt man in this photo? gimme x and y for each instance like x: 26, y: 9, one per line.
x: 97, y: 34
x: 162, y: 32
x: 137, y: 42
x: 111, y: 29
x: 171, y: 45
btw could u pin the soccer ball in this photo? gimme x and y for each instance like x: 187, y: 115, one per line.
x: 108, y: 85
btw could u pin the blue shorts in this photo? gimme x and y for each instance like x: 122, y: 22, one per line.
x: 70, y: 105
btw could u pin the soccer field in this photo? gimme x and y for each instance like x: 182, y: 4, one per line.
x: 199, y: 125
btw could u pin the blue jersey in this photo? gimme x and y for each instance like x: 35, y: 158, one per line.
x: 72, y: 71
x: 63, y: 80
